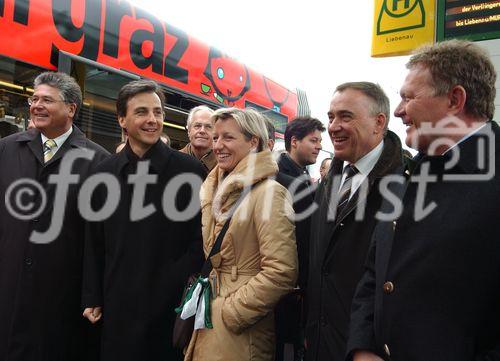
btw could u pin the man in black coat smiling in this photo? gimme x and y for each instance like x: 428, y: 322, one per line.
x: 340, y: 238
x: 431, y: 288
x: 40, y: 282
x: 139, y: 258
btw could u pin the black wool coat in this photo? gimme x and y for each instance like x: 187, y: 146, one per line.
x: 40, y: 284
x: 296, y: 181
x: 339, y: 246
x: 136, y: 270
x: 431, y: 288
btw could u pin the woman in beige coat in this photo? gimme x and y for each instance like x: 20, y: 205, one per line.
x: 257, y: 263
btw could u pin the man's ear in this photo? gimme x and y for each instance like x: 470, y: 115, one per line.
x: 456, y: 99
x: 121, y: 121
x: 293, y: 141
x: 380, y: 122
x: 72, y: 109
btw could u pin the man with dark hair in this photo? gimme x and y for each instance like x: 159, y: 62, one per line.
x: 430, y: 290
x: 302, y: 143
x: 365, y: 152
x: 139, y: 258
x: 40, y: 283
x: 289, y: 312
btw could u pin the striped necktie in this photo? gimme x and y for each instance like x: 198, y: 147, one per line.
x: 49, y: 149
x: 345, y: 191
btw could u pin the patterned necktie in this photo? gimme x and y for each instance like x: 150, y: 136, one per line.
x: 49, y: 149
x: 345, y: 191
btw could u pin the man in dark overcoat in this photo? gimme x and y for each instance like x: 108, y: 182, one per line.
x: 138, y: 259
x: 302, y: 144
x: 40, y: 277
x: 340, y: 237
x: 431, y: 288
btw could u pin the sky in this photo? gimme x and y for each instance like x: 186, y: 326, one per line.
x: 313, y: 46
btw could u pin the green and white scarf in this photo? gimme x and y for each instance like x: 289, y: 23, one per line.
x: 197, y: 302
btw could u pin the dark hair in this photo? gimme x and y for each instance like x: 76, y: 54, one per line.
x: 67, y: 86
x: 375, y: 93
x: 459, y: 62
x: 133, y: 88
x: 299, y: 128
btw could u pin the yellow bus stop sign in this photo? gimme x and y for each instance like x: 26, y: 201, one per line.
x: 400, y: 26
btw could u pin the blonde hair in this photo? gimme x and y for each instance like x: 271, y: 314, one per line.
x: 250, y: 122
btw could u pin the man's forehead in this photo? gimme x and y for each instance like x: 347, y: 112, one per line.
x: 145, y: 100
x: 202, y: 115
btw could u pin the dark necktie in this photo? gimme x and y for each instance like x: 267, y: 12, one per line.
x: 345, y: 191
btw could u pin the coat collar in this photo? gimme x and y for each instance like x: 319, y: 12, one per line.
x: 222, y: 191
x: 209, y: 160
x: 288, y: 166
x: 33, y: 138
x: 159, y: 155
x: 468, y: 151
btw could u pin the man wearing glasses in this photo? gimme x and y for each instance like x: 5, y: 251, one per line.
x: 200, y: 131
x: 40, y: 315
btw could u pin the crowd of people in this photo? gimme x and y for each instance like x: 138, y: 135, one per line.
x: 386, y: 257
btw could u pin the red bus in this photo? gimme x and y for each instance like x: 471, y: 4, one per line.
x: 106, y: 43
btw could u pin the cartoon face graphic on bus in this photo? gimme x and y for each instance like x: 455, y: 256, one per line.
x: 230, y: 79
x: 276, y: 93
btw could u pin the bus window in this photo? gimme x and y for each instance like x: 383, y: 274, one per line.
x: 97, y: 117
x: 16, y: 85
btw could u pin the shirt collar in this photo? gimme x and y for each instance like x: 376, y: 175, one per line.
x: 365, y: 164
x: 59, y: 140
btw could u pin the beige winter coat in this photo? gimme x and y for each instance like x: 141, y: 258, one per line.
x: 257, y: 264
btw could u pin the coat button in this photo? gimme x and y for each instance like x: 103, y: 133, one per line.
x: 394, y: 223
x: 386, y: 350
x: 28, y: 261
x: 341, y: 224
x: 388, y: 287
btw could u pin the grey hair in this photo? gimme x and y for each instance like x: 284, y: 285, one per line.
x: 195, y: 110
x: 251, y: 123
x: 380, y: 101
x: 68, y: 87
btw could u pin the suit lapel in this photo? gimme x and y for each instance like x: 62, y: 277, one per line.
x: 384, y: 231
x: 330, y: 187
x: 35, y: 145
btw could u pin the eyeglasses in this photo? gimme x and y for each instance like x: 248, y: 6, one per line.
x: 43, y: 100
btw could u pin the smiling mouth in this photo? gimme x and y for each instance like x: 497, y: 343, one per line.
x: 150, y: 130
x: 339, y: 140
x: 223, y: 156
